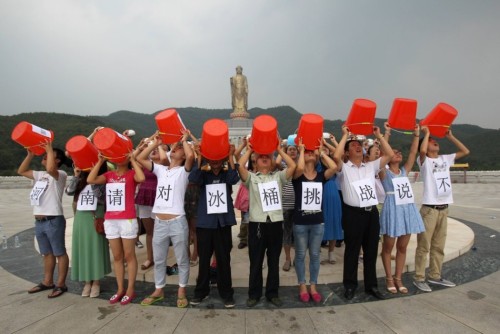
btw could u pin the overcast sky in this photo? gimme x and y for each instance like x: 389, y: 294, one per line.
x: 94, y: 57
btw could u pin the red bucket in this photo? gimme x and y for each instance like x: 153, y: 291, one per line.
x: 170, y: 125
x: 440, y: 119
x: 215, y: 140
x: 310, y: 130
x: 361, y: 117
x: 403, y: 114
x: 113, y: 145
x: 83, y: 153
x: 264, y: 138
x: 31, y: 137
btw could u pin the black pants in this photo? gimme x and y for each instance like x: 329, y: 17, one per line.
x: 361, y: 229
x: 264, y: 237
x: 220, y: 241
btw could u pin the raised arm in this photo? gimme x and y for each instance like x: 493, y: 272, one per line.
x: 424, y: 144
x: 331, y: 166
x: 290, y: 169
x: 188, y: 151
x: 143, y: 157
x: 413, y: 149
x: 386, y: 149
x: 339, y: 152
x: 93, y: 177
x: 243, y: 161
x: 462, y: 150
x: 299, y: 170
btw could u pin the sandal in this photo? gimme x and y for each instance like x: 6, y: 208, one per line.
x: 287, y: 265
x: 151, y: 301
x: 182, y: 302
x: 57, y: 291
x: 41, y: 287
x: 147, y: 264
x: 399, y: 285
x: 391, y: 289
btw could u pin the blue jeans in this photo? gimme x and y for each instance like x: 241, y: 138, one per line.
x: 307, y: 236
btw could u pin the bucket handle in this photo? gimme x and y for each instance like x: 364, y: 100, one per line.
x: 362, y: 123
x: 37, y: 145
x: 169, y: 134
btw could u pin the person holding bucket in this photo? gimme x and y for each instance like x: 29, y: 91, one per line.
x: 50, y: 224
x: 265, y: 230
x: 215, y: 213
x: 170, y: 222
x: 309, y: 225
x: 120, y: 223
x: 360, y: 217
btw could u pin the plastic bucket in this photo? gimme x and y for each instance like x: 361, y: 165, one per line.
x: 403, y: 114
x: 113, y: 145
x: 291, y: 140
x: 83, y: 153
x: 215, y: 140
x: 361, y: 117
x: 310, y: 130
x: 440, y: 119
x: 264, y: 138
x: 170, y: 125
x: 31, y: 137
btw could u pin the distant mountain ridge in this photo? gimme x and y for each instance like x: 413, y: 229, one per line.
x: 485, y: 155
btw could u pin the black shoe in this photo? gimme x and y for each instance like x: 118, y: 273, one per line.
x: 349, y: 293
x: 242, y: 245
x: 229, y: 303
x: 375, y: 293
x: 251, y: 302
x: 338, y: 244
x: 276, y: 301
x: 197, y: 300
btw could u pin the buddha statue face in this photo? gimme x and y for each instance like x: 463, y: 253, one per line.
x: 239, y: 69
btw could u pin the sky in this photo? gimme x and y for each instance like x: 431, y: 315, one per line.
x: 94, y: 57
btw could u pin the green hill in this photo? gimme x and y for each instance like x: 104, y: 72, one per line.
x: 484, y: 156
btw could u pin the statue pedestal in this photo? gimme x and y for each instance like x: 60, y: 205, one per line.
x: 238, y: 128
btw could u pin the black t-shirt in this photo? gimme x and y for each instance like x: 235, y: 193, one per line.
x: 302, y: 217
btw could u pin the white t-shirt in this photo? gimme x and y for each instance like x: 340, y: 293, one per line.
x: 170, y: 190
x: 437, y: 182
x: 351, y: 173
x: 51, y: 201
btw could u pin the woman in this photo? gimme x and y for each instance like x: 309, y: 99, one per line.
x: 121, y: 225
x: 90, y: 251
x: 398, y: 220
x: 308, y: 219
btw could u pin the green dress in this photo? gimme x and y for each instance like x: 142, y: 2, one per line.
x: 90, y: 251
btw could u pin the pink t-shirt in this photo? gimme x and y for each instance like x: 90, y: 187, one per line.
x: 130, y: 185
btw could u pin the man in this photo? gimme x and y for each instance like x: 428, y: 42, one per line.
x: 213, y: 228
x: 435, y: 173
x: 50, y: 224
x: 360, y: 217
x: 265, y: 230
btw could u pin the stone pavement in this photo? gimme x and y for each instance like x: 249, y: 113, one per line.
x: 473, y: 306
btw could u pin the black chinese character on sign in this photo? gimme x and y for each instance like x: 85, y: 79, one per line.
x: 270, y: 196
x: 164, y: 192
x: 115, y: 197
x: 367, y: 193
x: 87, y: 198
x: 37, y: 192
x: 312, y: 196
x: 215, y: 199
x: 404, y: 191
x: 444, y: 184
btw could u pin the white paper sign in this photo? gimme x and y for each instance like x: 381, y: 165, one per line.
x: 365, y: 189
x: 115, y: 197
x: 216, y: 198
x: 270, y: 196
x: 165, y: 193
x: 87, y: 200
x: 403, y: 193
x: 312, y: 194
x: 443, y: 183
x: 37, y: 192
x: 41, y: 131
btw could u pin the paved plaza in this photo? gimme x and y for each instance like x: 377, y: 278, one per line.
x: 472, y: 260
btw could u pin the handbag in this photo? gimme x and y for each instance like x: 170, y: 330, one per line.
x: 242, y: 202
x: 99, y: 224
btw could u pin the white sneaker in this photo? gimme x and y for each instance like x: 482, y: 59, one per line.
x: 422, y: 285
x: 442, y: 281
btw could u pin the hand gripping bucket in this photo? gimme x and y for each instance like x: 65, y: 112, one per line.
x: 403, y: 114
x: 31, y: 137
x: 83, y: 153
x: 361, y: 117
x: 113, y: 145
x: 215, y: 140
x: 170, y: 125
x: 264, y: 138
x: 440, y: 119
x: 310, y: 130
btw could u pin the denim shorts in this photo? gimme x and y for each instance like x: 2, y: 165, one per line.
x: 50, y: 235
